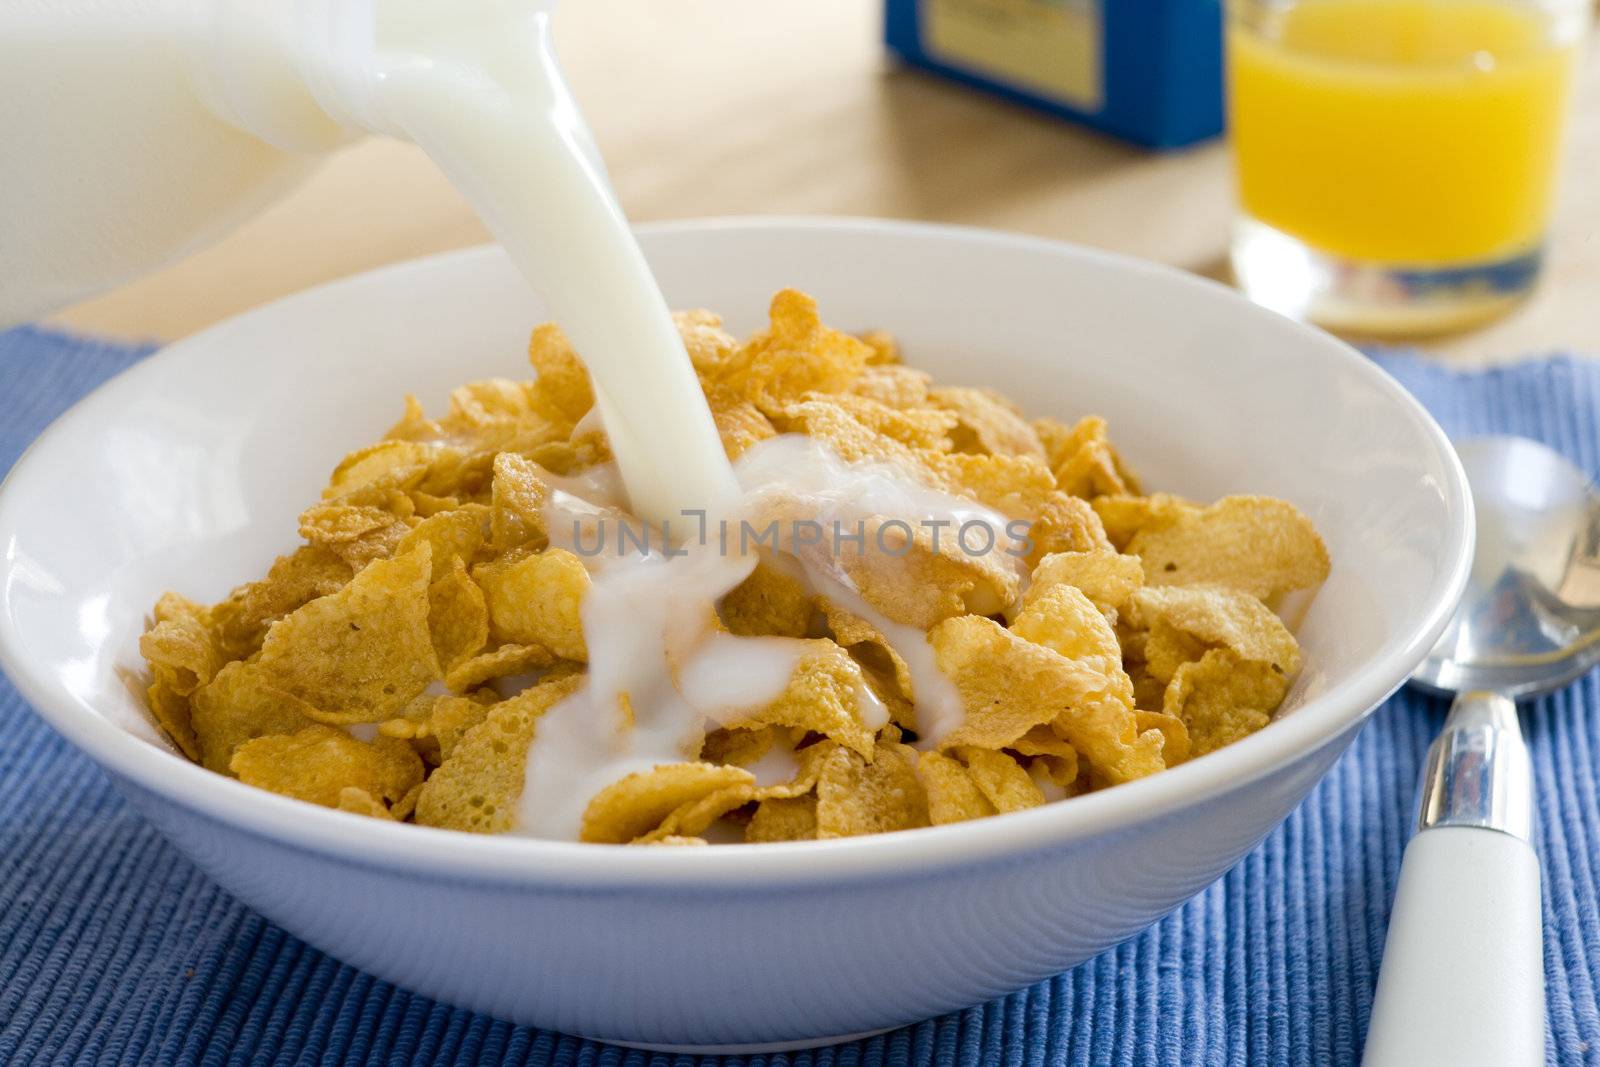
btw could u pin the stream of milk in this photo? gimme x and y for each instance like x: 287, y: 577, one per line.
x: 478, y: 88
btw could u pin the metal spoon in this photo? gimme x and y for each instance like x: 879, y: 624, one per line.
x: 1462, y: 981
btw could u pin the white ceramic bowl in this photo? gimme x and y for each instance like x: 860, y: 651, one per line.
x: 188, y: 471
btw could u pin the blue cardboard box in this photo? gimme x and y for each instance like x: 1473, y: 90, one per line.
x: 1149, y: 71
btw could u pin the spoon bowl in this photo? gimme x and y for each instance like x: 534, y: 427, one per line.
x: 1529, y: 621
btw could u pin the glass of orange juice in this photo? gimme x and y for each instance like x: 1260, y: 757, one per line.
x: 1395, y: 159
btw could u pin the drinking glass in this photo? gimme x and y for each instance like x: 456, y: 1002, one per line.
x: 1395, y: 160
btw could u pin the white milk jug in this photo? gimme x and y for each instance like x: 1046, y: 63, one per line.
x: 137, y: 131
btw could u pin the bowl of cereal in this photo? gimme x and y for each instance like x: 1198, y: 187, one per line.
x: 800, y: 770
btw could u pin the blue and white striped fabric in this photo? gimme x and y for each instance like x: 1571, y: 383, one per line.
x: 114, y: 950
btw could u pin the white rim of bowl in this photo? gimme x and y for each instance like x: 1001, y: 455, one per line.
x: 454, y: 856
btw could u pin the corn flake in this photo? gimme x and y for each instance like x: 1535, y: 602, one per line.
x: 953, y: 795
x: 1185, y: 621
x: 1108, y: 578
x: 458, y: 616
x: 1001, y: 779
x: 1220, y: 698
x: 783, y: 819
x: 535, y: 600
x: 477, y: 786
x: 637, y: 804
x: 500, y: 662
x: 318, y: 763
x: 823, y: 696
x: 795, y: 355
x: 771, y: 601
x: 986, y: 422
x: 561, y: 391
x: 855, y: 796
x: 361, y: 654
x: 358, y: 801
x: 1010, y: 685
x: 239, y: 705
x: 1254, y: 544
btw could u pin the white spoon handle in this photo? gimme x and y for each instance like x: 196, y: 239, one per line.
x: 1462, y: 982
x: 1463, y: 970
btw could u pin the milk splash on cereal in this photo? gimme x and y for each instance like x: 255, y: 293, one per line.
x: 661, y: 673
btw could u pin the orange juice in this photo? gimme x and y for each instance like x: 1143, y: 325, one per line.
x: 1400, y: 131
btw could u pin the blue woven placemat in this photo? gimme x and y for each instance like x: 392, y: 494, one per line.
x: 114, y: 950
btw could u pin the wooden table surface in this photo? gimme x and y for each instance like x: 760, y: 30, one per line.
x: 719, y: 107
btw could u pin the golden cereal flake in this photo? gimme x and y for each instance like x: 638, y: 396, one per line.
x: 519, y: 495
x: 535, y: 599
x: 357, y: 801
x: 823, y: 696
x: 1059, y: 523
x: 854, y: 442
x: 458, y: 616
x: 1067, y: 621
x: 358, y: 533
x: 380, y: 467
x: 293, y: 581
x: 477, y: 787
x: 783, y: 819
x: 561, y: 391
x: 182, y: 639
x: 709, y: 346
x: 696, y: 816
x: 171, y: 709
x: 500, y: 662
x: 414, y: 425
x: 1221, y: 698
x: 1254, y: 544
x: 740, y: 425
x: 917, y: 428
x: 917, y: 582
x: 1176, y: 746
x: 953, y: 795
x: 869, y: 647
x: 456, y: 534
x: 361, y: 654
x: 637, y: 804
x: 317, y: 763
x: 855, y: 796
x: 794, y: 356
x: 739, y: 745
x: 987, y: 422
x: 237, y: 706
x: 892, y: 384
x: 885, y: 349
x: 488, y: 401
x: 1001, y: 779
x: 1085, y: 463
x: 1125, y: 515
x: 1010, y: 685
x: 1212, y: 617
x: 1105, y: 576
x: 770, y: 601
